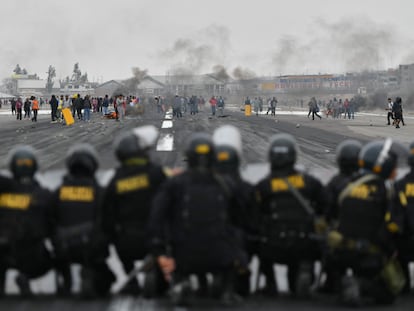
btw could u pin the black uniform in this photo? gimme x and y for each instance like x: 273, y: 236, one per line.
x: 30, y: 229
x: 194, y: 220
x: 7, y: 221
x: 127, y: 207
x: 287, y: 226
x: 77, y: 234
x: 404, y: 188
x: 363, y: 240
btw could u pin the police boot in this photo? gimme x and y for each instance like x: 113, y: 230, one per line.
x: 303, y: 282
x: 350, y: 291
x: 23, y: 284
x: 87, y: 284
x: 131, y: 289
x: 230, y: 298
x: 180, y: 293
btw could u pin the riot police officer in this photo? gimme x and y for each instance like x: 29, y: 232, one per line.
x: 347, y: 154
x: 128, y: 199
x: 289, y: 203
x: 77, y: 234
x: 5, y: 231
x: 405, y: 187
x: 228, y: 156
x: 24, y: 218
x: 363, y: 239
x: 193, y: 224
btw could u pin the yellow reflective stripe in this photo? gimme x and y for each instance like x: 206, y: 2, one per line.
x: 15, y: 201
x: 74, y: 193
x: 393, y: 227
x: 403, y: 198
x: 132, y: 183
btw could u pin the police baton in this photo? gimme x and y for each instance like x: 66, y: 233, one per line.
x: 147, y: 265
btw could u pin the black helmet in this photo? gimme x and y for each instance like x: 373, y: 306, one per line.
x: 411, y: 155
x: 227, y: 159
x: 377, y: 157
x: 282, y: 151
x: 22, y: 162
x: 228, y: 145
x: 347, y: 154
x: 128, y: 147
x: 82, y: 159
x: 200, y: 151
x: 136, y: 143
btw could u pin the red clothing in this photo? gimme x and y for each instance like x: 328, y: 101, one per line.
x: 213, y: 101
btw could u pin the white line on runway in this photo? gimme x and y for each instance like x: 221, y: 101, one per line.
x: 167, y: 124
x: 166, y: 140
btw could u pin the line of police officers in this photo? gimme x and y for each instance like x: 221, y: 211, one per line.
x: 209, y: 223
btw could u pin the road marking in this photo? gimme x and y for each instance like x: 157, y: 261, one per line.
x: 166, y: 140
x: 167, y: 124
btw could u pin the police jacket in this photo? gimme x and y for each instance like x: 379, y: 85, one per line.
x: 196, y: 214
x: 128, y: 198
x: 333, y: 189
x: 76, y: 208
x: 404, y: 191
x: 280, y: 209
x: 365, y: 212
x: 23, y: 212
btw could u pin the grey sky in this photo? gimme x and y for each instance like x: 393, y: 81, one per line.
x: 265, y: 37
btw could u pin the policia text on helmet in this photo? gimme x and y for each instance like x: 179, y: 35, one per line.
x: 200, y: 151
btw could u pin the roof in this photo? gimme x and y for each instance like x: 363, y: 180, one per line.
x: 187, y: 79
x: 118, y: 82
x: 4, y: 95
x: 35, y: 84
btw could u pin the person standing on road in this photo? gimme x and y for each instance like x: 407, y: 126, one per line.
x: 27, y: 107
x: 19, y: 106
x: 87, y: 105
x: 273, y: 104
x: 397, y: 111
x: 390, y: 115
x: 213, y: 105
x: 78, y: 106
x: 220, y: 105
x: 35, y: 108
x: 53, y: 105
x: 105, y: 105
x: 313, y: 107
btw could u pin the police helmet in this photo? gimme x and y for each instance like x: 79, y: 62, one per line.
x: 378, y: 157
x: 200, y: 151
x: 136, y: 143
x: 282, y: 151
x: 82, y: 159
x: 347, y: 154
x: 411, y: 155
x: 23, y: 162
x: 228, y: 148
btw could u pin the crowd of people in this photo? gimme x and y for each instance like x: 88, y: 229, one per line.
x: 208, y: 223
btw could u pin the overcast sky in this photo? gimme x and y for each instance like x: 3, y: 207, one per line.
x: 261, y: 37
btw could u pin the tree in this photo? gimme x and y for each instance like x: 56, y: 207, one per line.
x: 51, y: 73
x: 17, y: 70
x: 76, y: 73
